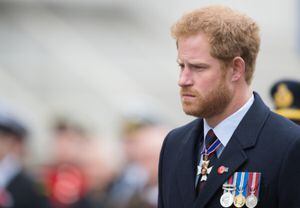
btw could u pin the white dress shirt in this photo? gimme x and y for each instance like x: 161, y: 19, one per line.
x: 9, y: 168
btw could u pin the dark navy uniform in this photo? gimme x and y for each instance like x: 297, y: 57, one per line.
x: 17, y: 188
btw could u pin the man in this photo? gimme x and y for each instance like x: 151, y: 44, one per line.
x: 133, y: 177
x: 237, y: 153
x: 286, y: 97
x: 64, y: 177
x: 149, y: 140
x: 17, y: 189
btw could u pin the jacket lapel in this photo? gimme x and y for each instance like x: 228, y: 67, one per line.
x: 185, y: 171
x: 234, y: 155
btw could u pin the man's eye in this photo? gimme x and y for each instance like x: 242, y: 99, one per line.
x: 180, y: 66
x: 198, y: 68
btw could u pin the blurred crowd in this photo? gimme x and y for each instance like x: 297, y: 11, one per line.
x: 83, y: 171
x: 88, y: 172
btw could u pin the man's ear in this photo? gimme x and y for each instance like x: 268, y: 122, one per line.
x: 238, y: 68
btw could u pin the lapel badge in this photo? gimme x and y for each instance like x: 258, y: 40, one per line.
x: 222, y: 169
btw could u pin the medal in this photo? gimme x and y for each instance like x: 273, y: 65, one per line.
x: 204, y: 176
x: 205, y: 170
x: 204, y: 166
x: 240, y: 200
x: 205, y: 153
x: 226, y: 199
x: 202, y: 169
x: 251, y: 200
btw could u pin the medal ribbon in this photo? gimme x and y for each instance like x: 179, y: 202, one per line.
x: 234, y: 178
x: 253, y: 184
x: 257, y: 184
x: 242, y: 179
x: 212, y: 148
x: 229, y: 183
x: 250, y: 185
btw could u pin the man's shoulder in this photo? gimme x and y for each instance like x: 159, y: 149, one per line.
x: 283, y: 123
x: 181, y: 134
x: 283, y: 127
x: 183, y: 130
x: 177, y: 138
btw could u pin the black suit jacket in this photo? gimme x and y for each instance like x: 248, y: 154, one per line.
x: 25, y: 193
x: 263, y: 142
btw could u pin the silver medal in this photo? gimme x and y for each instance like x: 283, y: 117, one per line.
x: 226, y: 199
x: 251, y: 201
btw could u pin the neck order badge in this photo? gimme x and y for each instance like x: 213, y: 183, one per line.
x: 212, y: 143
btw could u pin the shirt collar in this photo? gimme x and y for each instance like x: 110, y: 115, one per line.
x: 225, y: 129
x: 9, y: 168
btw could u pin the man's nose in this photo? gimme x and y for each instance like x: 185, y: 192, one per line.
x: 185, y: 78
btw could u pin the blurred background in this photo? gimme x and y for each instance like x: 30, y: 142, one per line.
x: 95, y: 82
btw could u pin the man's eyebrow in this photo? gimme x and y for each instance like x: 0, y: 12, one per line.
x: 199, y: 64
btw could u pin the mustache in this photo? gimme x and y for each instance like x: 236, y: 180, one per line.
x: 188, y: 91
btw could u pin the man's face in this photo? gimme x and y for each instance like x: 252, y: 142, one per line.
x: 7, y: 143
x: 205, y: 89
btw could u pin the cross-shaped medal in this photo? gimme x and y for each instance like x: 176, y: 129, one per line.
x: 204, y: 170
